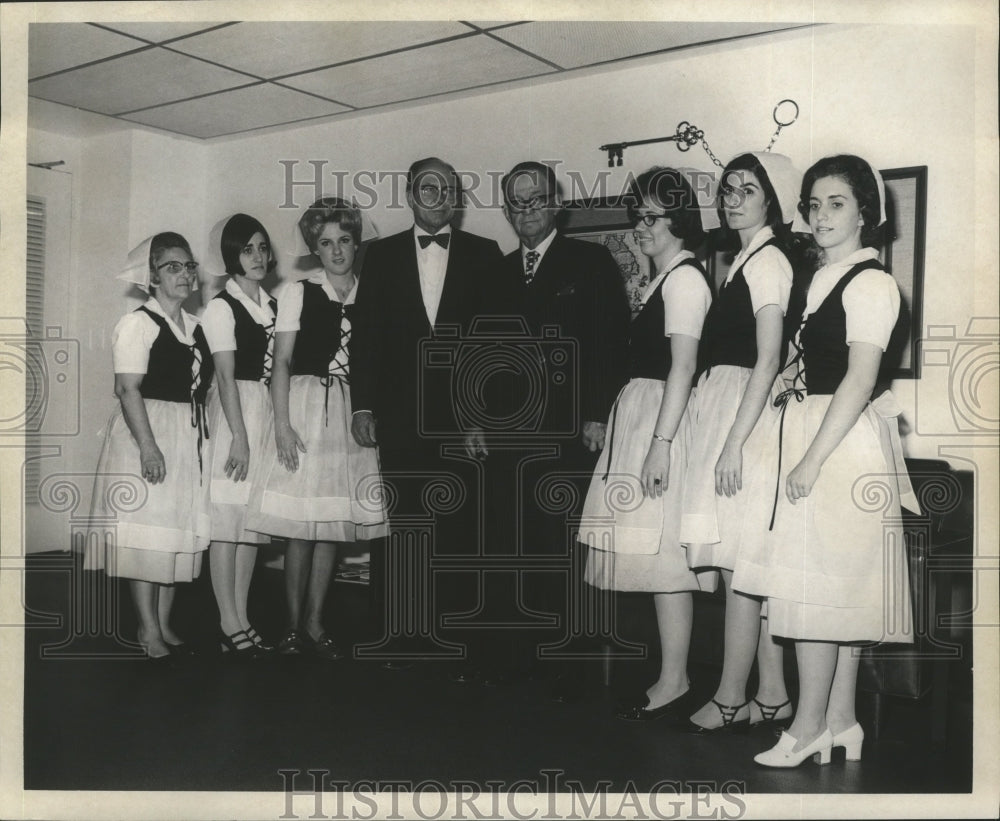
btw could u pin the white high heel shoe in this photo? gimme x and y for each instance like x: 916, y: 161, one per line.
x: 851, y: 740
x: 782, y: 755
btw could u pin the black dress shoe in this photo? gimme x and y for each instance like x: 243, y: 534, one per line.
x: 326, y: 648
x: 294, y: 643
x: 180, y: 650
x: 641, y: 712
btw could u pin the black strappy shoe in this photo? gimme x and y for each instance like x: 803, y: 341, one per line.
x: 239, y: 645
x: 729, y: 722
x: 256, y: 638
x: 768, y: 714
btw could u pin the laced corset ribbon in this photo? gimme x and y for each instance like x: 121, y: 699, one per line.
x: 798, y: 391
x: 268, y: 365
x: 339, y: 371
x: 199, y: 416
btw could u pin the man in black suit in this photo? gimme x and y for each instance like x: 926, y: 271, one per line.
x: 418, y: 294
x: 568, y: 290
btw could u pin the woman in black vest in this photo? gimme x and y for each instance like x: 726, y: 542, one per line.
x: 829, y: 554
x: 632, y: 511
x: 152, y: 530
x: 239, y: 326
x: 318, y: 487
x: 741, y: 351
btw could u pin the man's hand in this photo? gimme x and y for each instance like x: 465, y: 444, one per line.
x: 363, y: 429
x: 475, y: 444
x: 593, y: 435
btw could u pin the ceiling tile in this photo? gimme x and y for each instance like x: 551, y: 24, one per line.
x: 576, y: 44
x: 58, y: 46
x: 277, y: 49
x: 158, y: 32
x: 238, y: 110
x: 486, y: 24
x: 466, y: 63
x: 138, y: 80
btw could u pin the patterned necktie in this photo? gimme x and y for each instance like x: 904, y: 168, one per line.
x: 440, y: 239
x: 530, y: 261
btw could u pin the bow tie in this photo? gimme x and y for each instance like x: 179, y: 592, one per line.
x: 440, y: 239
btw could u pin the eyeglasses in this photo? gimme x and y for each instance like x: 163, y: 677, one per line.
x: 175, y: 267
x: 534, y: 204
x: 435, y: 193
x: 634, y: 218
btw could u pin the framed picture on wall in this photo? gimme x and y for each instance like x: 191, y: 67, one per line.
x: 903, y: 256
x: 605, y: 221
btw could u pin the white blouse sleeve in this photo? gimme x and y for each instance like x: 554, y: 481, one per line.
x: 131, y: 340
x: 219, y: 326
x: 871, y: 303
x: 289, y: 307
x: 686, y: 299
x: 769, y: 278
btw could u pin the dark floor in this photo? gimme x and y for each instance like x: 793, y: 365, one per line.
x: 93, y: 723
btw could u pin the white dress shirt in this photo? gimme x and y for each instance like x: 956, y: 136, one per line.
x: 432, y: 263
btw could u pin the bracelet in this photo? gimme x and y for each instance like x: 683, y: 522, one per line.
x: 659, y: 438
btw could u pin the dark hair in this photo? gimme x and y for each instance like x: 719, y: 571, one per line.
x: 859, y: 177
x: 327, y: 210
x: 238, y: 231
x: 546, y: 172
x: 670, y: 189
x: 420, y: 166
x: 165, y: 241
x: 729, y: 239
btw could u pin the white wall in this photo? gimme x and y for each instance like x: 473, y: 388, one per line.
x: 126, y: 185
x: 899, y: 96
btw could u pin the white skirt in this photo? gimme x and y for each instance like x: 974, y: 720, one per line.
x: 229, y: 499
x: 138, y: 530
x: 336, y: 494
x: 834, y: 565
x: 710, y: 524
x: 634, y: 540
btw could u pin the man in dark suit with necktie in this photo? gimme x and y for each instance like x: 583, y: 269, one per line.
x: 573, y: 289
x: 423, y: 285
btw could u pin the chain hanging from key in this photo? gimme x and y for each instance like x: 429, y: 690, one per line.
x: 687, y: 135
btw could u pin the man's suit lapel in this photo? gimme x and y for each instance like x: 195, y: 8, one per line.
x: 550, y: 268
x: 410, y: 276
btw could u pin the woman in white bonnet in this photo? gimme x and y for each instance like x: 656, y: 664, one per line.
x: 830, y: 560
x: 741, y: 352
x: 162, y: 371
